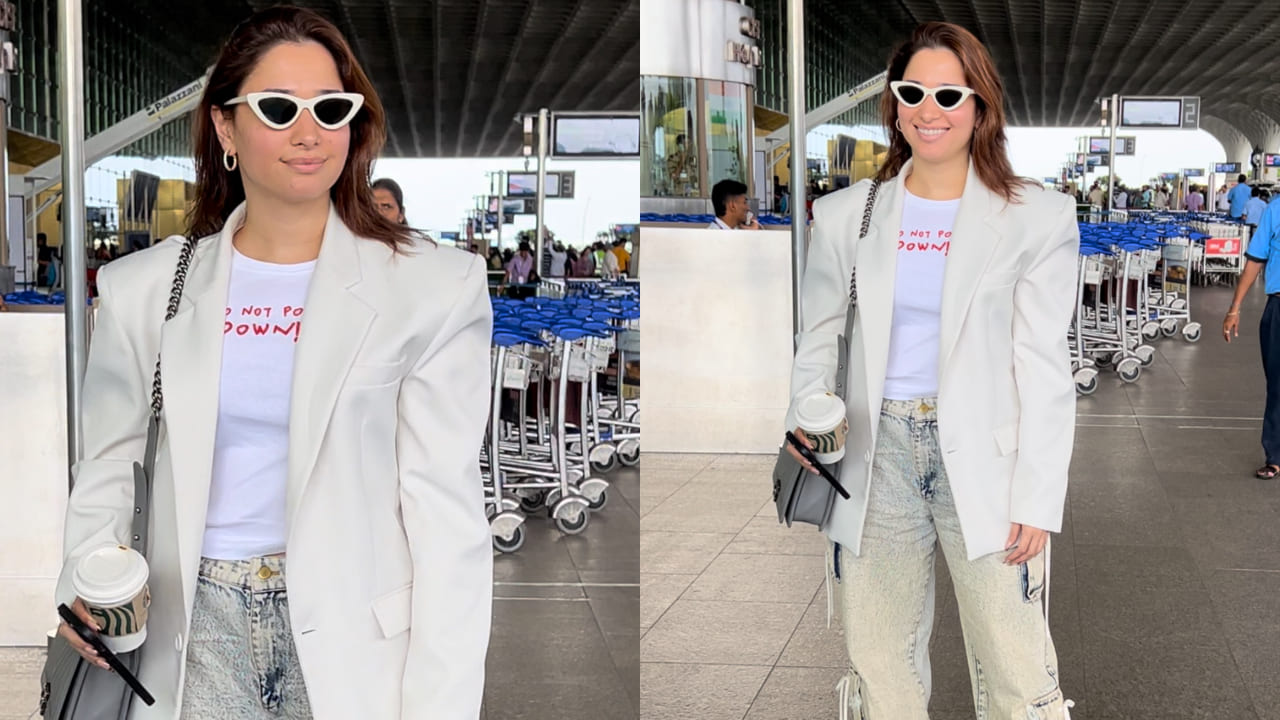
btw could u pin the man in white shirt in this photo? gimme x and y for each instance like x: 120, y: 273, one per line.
x: 558, y: 259
x: 733, y: 212
x: 1095, y: 195
x: 1122, y: 199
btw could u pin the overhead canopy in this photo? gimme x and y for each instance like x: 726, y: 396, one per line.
x: 452, y: 74
x: 1058, y: 57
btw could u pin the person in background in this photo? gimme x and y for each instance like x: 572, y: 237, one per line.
x: 520, y: 272
x: 624, y: 257
x: 1223, y: 205
x: 390, y: 200
x: 610, y: 269
x: 559, y: 261
x: 1161, y: 198
x: 1122, y: 198
x: 495, y: 258
x: 1264, y: 252
x: 1096, y: 195
x: 571, y: 262
x: 1238, y: 197
x: 1254, y: 208
x: 1195, y: 201
x: 733, y: 212
x: 44, y: 258
x: 586, y: 265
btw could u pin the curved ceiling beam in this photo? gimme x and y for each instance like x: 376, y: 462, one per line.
x: 1234, y: 142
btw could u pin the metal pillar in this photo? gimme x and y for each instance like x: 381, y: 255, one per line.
x: 8, y: 63
x: 795, y: 108
x: 71, y: 106
x: 543, y: 119
x: 1113, y: 118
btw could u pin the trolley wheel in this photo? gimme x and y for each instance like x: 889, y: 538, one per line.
x: 511, y: 502
x: 635, y: 417
x: 574, y: 448
x: 1129, y: 369
x: 552, y: 499
x: 629, y: 452
x: 511, y: 544
x: 1150, y: 330
x: 604, y: 458
x: 508, y: 531
x: 1145, y: 354
x: 596, y: 491
x: 1086, y: 380
x: 1178, y: 304
x: 534, y: 501
x: 1169, y: 328
x: 571, y: 515
x: 1087, y: 387
x: 1191, y: 333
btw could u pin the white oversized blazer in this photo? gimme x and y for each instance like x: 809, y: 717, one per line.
x: 1006, y: 399
x: 390, y: 560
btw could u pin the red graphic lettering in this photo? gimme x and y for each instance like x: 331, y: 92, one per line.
x: 290, y: 311
x: 294, y: 328
x: 944, y: 234
x: 255, y: 311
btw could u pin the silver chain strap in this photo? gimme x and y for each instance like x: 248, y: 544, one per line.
x: 175, y: 298
x: 866, y: 225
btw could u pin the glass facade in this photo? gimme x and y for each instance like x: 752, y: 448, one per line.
x: 728, y: 131
x: 832, y: 65
x: 124, y: 72
x: 669, y: 149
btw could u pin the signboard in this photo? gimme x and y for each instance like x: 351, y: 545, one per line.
x: 1227, y: 168
x: 1270, y: 160
x: 1100, y: 145
x: 1097, y: 160
x: 1193, y: 172
x: 1126, y: 145
x: 1160, y: 112
x: 1169, y: 177
x: 595, y: 136
x: 1222, y: 247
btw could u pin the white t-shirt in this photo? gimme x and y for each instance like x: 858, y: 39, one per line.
x: 1122, y: 200
x: 558, y: 263
x: 251, y: 449
x: 923, y: 245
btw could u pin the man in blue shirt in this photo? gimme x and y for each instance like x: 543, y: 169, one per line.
x: 1254, y: 208
x: 1238, y: 196
x: 1264, y: 251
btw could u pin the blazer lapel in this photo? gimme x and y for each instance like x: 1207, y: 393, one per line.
x: 334, y: 326
x: 877, y: 266
x: 974, y: 239
x: 191, y: 363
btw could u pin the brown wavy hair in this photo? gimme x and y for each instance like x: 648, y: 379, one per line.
x: 988, y: 146
x: 219, y: 192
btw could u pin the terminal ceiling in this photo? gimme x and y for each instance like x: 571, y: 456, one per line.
x: 452, y: 73
x: 1057, y: 57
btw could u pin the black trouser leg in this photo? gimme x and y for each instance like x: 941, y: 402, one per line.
x: 1269, y: 339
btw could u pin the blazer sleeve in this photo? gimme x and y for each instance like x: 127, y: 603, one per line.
x: 114, y: 411
x: 1043, y: 303
x: 443, y: 410
x: 824, y: 300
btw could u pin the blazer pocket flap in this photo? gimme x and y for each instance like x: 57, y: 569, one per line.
x: 1007, y: 438
x: 394, y: 611
x: 373, y: 375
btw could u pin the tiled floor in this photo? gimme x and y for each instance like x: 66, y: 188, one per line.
x: 565, y: 643
x: 1166, y: 577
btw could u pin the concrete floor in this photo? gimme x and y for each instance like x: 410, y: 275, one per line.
x: 565, y: 641
x: 1166, y: 577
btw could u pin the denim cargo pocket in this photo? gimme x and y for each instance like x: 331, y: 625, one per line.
x: 1031, y: 574
x: 1047, y: 707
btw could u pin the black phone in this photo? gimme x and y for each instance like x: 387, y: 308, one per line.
x: 95, y: 641
x: 807, y: 454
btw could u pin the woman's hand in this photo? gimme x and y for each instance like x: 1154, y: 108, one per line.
x: 85, y: 649
x: 1026, y: 543
x: 796, y: 453
x: 1231, y: 325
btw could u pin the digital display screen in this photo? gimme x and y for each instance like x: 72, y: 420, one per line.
x: 525, y: 184
x: 1270, y: 160
x: 1100, y: 145
x: 598, y: 136
x: 1226, y: 167
x: 1193, y: 172
x: 1096, y: 160
x: 1160, y: 112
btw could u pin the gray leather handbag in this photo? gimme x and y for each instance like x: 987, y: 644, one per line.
x: 801, y: 496
x: 71, y: 687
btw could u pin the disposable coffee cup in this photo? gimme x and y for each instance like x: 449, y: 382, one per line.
x: 823, y: 419
x: 112, y: 581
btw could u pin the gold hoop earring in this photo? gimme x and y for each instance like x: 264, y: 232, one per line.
x: 229, y: 161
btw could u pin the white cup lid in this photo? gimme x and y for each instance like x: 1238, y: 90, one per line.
x: 110, y: 575
x: 820, y: 412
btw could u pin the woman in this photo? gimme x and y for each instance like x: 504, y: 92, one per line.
x: 343, y: 443
x: 520, y: 272
x: 960, y: 403
x: 389, y: 199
